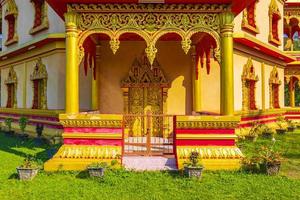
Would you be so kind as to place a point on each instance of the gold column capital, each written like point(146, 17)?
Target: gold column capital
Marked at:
point(71, 20)
point(226, 22)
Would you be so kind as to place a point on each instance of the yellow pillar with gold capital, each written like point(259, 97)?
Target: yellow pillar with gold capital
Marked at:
point(227, 85)
point(292, 92)
point(196, 81)
point(72, 67)
point(96, 82)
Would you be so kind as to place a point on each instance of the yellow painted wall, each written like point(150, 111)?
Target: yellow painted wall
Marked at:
point(262, 21)
point(240, 59)
point(211, 87)
point(55, 64)
point(173, 61)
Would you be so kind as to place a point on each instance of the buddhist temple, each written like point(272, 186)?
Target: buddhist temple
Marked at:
point(149, 79)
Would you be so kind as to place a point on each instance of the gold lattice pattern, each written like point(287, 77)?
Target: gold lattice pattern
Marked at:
point(152, 22)
point(89, 152)
point(210, 152)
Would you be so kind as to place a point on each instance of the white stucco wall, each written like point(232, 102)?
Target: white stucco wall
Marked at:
point(25, 22)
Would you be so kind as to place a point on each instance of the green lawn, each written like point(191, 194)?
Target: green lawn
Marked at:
point(148, 185)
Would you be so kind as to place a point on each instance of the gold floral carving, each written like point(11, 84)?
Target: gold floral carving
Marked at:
point(12, 9)
point(91, 123)
point(273, 10)
point(88, 152)
point(274, 79)
point(247, 75)
point(40, 73)
point(151, 22)
point(206, 124)
point(44, 18)
point(245, 23)
point(210, 152)
point(12, 80)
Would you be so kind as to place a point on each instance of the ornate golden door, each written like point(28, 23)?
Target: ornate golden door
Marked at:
point(146, 128)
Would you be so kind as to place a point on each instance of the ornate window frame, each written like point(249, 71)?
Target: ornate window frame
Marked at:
point(11, 80)
point(248, 21)
point(248, 77)
point(274, 81)
point(41, 21)
point(11, 16)
point(274, 17)
point(39, 74)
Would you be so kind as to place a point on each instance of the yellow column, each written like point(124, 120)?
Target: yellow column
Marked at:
point(196, 82)
point(263, 87)
point(96, 83)
point(227, 87)
point(72, 68)
point(292, 92)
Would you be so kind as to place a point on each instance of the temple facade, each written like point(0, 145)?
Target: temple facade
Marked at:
point(146, 78)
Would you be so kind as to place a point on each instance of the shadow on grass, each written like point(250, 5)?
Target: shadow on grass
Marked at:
point(14, 176)
point(8, 143)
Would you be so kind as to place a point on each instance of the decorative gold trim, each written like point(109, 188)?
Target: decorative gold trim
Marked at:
point(210, 152)
point(45, 22)
point(40, 73)
point(91, 120)
point(273, 10)
point(93, 135)
point(245, 24)
point(205, 136)
point(274, 79)
point(12, 9)
point(12, 79)
point(247, 75)
point(88, 152)
point(205, 122)
point(152, 22)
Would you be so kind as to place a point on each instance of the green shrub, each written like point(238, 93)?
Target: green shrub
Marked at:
point(23, 123)
point(8, 122)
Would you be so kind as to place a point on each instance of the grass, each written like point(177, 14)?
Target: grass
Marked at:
point(147, 185)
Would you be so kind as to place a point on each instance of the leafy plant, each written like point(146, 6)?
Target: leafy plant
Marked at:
point(8, 122)
point(29, 163)
point(266, 131)
point(281, 122)
point(291, 123)
point(98, 165)
point(194, 160)
point(23, 123)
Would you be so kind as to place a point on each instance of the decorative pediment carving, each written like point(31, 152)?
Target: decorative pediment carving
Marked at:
point(249, 71)
point(142, 74)
point(12, 76)
point(40, 71)
point(274, 78)
point(11, 8)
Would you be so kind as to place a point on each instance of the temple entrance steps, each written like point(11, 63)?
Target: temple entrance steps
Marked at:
point(149, 163)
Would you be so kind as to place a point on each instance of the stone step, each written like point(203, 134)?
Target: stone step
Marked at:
point(153, 163)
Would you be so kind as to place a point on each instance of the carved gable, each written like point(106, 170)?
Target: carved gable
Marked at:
point(142, 74)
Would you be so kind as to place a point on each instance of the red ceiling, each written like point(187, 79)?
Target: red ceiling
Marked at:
point(237, 5)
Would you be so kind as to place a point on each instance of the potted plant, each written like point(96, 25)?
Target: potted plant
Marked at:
point(28, 170)
point(23, 123)
point(291, 125)
point(8, 122)
point(270, 160)
point(251, 164)
point(267, 132)
point(281, 123)
point(193, 168)
point(254, 131)
point(97, 169)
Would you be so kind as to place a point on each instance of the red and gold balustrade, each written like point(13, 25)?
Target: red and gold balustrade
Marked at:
point(213, 137)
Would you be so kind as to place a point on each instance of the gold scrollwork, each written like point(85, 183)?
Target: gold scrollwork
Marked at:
point(151, 23)
point(91, 123)
point(274, 80)
point(40, 73)
point(207, 124)
point(12, 80)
